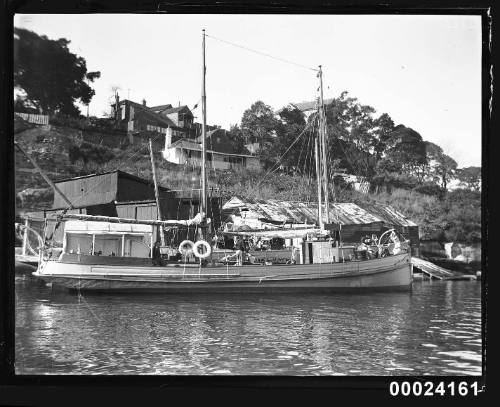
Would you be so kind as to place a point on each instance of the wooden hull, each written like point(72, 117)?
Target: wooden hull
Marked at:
point(389, 273)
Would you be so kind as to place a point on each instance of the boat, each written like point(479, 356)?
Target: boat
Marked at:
point(26, 257)
point(125, 255)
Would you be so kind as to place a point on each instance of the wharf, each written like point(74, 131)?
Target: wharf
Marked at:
point(440, 273)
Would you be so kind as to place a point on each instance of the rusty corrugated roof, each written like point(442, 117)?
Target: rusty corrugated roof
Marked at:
point(346, 213)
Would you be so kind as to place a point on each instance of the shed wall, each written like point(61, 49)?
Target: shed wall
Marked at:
point(88, 191)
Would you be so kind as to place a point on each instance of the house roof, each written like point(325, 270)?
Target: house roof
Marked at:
point(175, 109)
point(120, 173)
point(161, 107)
point(345, 213)
point(188, 144)
point(306, 106)
point(218, 140)
point(149, 112)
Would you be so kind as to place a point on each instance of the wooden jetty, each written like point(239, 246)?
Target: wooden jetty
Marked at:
point(436, 272)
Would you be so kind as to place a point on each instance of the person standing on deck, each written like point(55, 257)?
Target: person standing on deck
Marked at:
point(240, 248)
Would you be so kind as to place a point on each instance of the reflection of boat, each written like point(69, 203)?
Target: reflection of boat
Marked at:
point(104, 253)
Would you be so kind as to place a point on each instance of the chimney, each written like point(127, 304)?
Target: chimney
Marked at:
point(144, 102)
point(168, 142)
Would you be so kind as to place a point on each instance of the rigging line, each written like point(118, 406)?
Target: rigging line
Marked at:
point(288, 149)
point(304, 171)
point(310, 166)
point(262, 53)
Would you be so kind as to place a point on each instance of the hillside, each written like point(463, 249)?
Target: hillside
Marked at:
point(64, 152)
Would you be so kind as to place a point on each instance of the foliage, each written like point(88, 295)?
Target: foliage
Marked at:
point(258, 123)
point(47, 89)
point(470, 178)
point(441, 166)
point(86, 153)
point(409, 151)
point(237, 140)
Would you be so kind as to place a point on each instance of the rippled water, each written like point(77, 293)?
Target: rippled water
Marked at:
point(435, 329)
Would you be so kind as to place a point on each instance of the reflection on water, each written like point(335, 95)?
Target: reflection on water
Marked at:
point(435, 329)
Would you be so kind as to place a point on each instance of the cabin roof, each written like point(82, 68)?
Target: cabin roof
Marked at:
point(86, 226)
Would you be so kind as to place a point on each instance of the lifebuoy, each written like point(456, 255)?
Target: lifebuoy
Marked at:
point(207, 249)
point(186, 247)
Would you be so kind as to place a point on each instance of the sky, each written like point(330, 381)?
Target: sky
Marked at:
point(424, 71)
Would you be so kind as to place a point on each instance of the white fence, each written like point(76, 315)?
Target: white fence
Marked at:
point(34, 118)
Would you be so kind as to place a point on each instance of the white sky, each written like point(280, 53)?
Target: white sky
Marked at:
point(424, 71)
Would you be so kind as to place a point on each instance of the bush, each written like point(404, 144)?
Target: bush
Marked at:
point(429, 188)
point(86, 124)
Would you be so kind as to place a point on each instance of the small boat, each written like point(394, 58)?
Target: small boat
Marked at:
point(26, 257)
point(117, 254)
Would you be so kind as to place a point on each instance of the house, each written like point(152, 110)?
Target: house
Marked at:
point(138, 118)
point(220, 153)
point(353, 220)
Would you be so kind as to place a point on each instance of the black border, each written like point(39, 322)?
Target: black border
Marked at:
point(54, 390)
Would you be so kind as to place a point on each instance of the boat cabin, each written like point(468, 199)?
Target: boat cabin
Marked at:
point(84, 240)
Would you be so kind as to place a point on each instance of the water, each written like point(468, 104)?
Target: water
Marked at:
point(434, 330)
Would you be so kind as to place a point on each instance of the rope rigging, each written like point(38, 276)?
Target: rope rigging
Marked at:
point(272, 169)
point(262, 53)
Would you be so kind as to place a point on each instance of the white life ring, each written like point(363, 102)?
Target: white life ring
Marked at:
point(207, 249)
point(186, 247)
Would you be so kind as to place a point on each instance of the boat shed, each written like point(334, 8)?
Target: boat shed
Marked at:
point(107, 189)
point(120, 194)
point(353, 220)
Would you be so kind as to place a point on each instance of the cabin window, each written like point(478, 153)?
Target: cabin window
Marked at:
point(137, 246)
point(108, 245)
point(78, 243)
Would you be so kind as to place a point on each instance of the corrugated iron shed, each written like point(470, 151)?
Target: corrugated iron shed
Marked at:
point(105, 188)
point(345, 213)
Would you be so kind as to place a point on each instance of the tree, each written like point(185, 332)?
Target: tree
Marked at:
point(292, 124)
point(237, 140)
point(384, 136)
point(442, 167)
point(259, 123)
point(51, 78)
point(470, 178)
point(409, 151)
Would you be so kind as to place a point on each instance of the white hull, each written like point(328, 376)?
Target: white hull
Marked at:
point(394, 272)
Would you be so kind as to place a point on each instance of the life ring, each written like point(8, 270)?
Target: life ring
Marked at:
point(186, 247)
point(207, 249)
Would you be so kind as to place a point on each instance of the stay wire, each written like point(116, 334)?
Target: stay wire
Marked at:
point(281, 157)
point(263, 53)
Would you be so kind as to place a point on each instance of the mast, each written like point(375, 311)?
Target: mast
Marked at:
point(318, 178)
point(47, 179)
point(323, 145)
point(203, 136)
point(157, 195)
